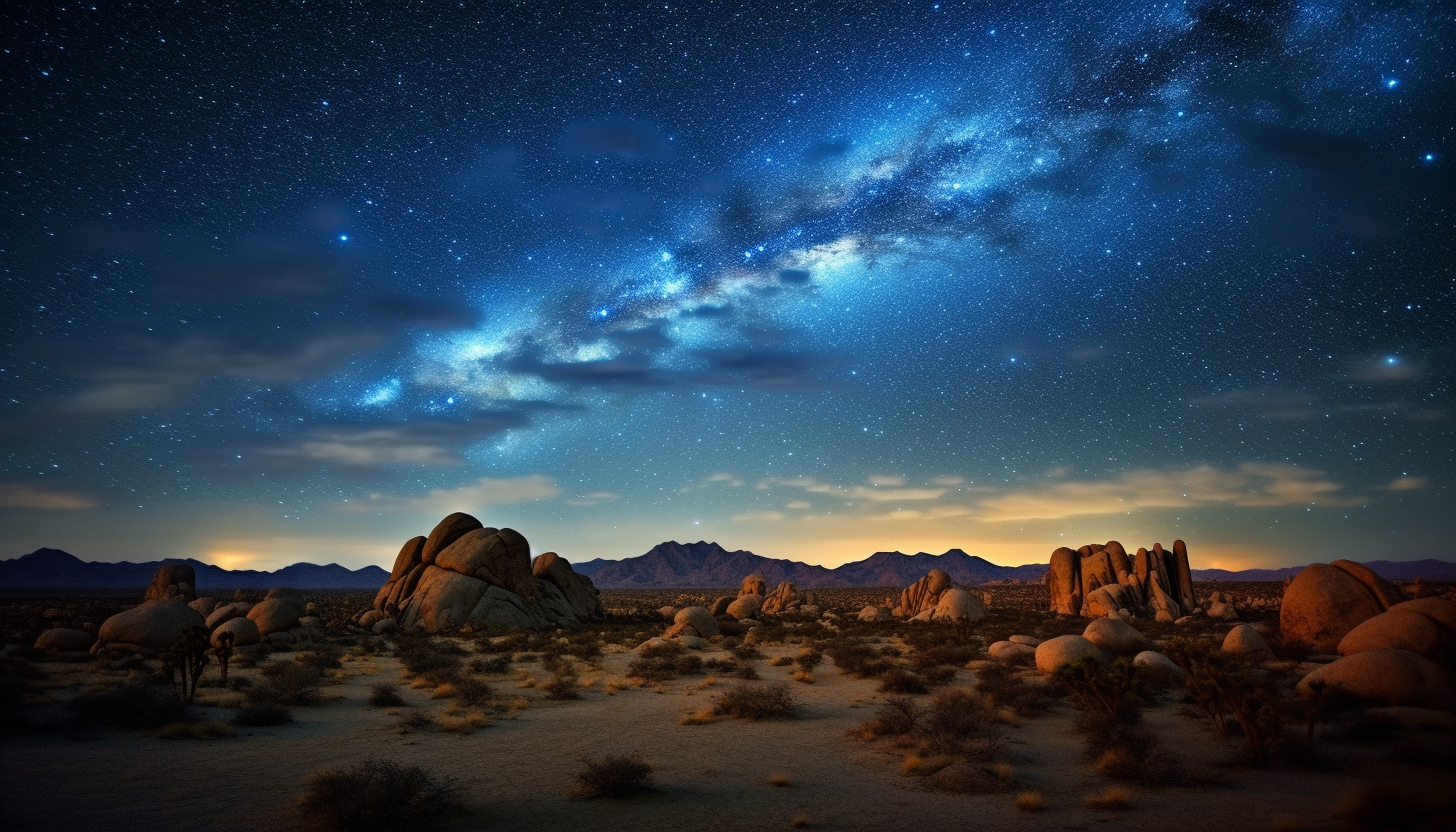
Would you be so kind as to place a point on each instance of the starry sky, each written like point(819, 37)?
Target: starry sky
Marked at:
point(290, 281)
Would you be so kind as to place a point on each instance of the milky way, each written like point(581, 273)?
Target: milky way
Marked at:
point(814, 281)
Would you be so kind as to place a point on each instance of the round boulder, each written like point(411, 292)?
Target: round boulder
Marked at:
point(699, 618)
point(957, 604)
point(277, 612)
point(1029, 641)
point(873, 613)
point(1391, 677)
point(1116, 636)
point(1157, 664)
point(1011, 652)
point(65, 640)
point(744, 606)
point(1064, 650)
point(244, 632)
point(1400, 628)
point(227, 612)
point(1322, 604)
point(154, 625)
point(447, 531)
point(1246, 640)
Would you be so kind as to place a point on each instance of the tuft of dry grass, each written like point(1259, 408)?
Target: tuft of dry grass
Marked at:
point(1030, 802)
point(918, 766)
point(703, 717)
point(755, 702)
point(802, 676)
point(799, 821)
point(781, 661)
point(1116, 799)
point(463, 724)
point(779, 780)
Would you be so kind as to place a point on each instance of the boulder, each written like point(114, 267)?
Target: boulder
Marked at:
point(874, 613)
point(755, 584)
point(1029, 641)
point(1063, 584)
point(1064, 650)
point(650, 644)
point(667, 612)
point(244, 632)
point(65, 640)
point(281, 637)
point(279, 611)
point(1010, 651)
point(173, 580)
point(1390, 677)
point(580, 593)
point(745, 606)
point(1387, 593)
point(1181, 581)
point(446, 532)
point(204, 606)
point(692, 642)
point(1116, 636)
point(720, 605)
point(1221, 607)
point(500, 557)
point(957, 604)
point(371, 617)
point(1107, 599)
point(1401, 628)
point(227, 612)
point(151, 627)
point(699, 619)
point(785, 598)
point(1440, 610)
point(1246, 640)
point(411, 554)
point(443, 601)
point(1157, 664)
point(1322, 604)
point(385, 626)
point(922, 595)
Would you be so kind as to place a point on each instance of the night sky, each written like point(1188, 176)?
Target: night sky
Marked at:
point(288, 281)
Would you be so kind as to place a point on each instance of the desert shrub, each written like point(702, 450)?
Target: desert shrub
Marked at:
point(755, 702)
point(973, 778)
point(1006, 688)
point(808, 659)
point(185, 660)
point(262, 715)
point(194, 730)
point(130, 706)
point(900, 680)
point(745, 670)
point(584, 646)
point(860, 660)
point(564, 684)
point(1030, 802)
point(493, 665)
point(472, 692)
point(664, 649)
point(746, 652)
point(436, 663)
point(900, 715)
point(323, 656)
point(943, 655)
point(779, 780)
point(386, 695)
point(287, 683)
point(378, 796)
point(613, 775)
point(661, 665)
point(1223, 688)
point(938, 675)
point(1103, 691)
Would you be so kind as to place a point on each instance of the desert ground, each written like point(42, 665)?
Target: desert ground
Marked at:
point(496, 713)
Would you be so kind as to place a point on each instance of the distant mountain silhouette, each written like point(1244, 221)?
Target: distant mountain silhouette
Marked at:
point(672, 565)
point(53, 568)
point(704, 564)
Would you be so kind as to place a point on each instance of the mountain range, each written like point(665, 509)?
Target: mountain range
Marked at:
point(53, 568)
point(667, 565)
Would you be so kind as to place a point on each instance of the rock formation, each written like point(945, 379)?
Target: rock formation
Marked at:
point(1325, 602)
point(65, 640)
point(785, 598)
point(1426, 626)
point(1390, 677)
point(173, 580)
point(1064, 650)
point(149, 628)
point(465, 573)
point(1099, 580)
point(923, 595)
point(755, 584)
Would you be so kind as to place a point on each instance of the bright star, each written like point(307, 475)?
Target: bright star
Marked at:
point(1392, 83)
point(343, 238)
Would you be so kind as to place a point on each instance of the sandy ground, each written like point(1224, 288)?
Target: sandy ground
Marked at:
point(518, 770)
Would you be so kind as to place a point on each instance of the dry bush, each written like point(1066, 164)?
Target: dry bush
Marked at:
point(918, 766)
point(463, 723)
point(130, 706)
point(435, 662)
point(900, 715)
point(1005, 686)
point(1231, 694)
point(562, 686)
point(799, 821)
point(613, 775)
point(1115, 798)
point(902, 681)
point(802, 676)
point(492, 666)
point(746, 652)
point(1030, 802)
point(781, 661)
point(194, 730)
point(779, 780)
point(809, 658)
point(472, 693)
point(944, 655)
point(287, 683)
point(858, 659)
point(386, 695)
point(973, 778)
point(262, 715)
point(378, 796)
point(755, 702)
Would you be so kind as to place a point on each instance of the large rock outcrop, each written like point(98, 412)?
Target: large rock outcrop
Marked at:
point(1098, 580)
point(149, 628)
point(1388, 677)
point(923, 595)
point(1426, 626)
point(466, 573)
point(785, 598)
point(279, 610)
point(1324, 602)
point(173, 580)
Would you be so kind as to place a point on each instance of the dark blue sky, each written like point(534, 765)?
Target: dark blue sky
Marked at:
point(289, 282)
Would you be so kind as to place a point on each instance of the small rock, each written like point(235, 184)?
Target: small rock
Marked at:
point(1116, 636)
point(244, 631)
point(1158, 664)
point(700, 619)
point(65, 640)
point(1064, 650)
point(692, 642)
point(1010, 651)
point(1246, 640)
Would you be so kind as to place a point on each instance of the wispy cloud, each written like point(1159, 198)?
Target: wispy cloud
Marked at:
point(1252, 484)
point(486, 491)
point(758, 516)
point(1405, 483)
point(21, 495)
point(881, 488)
point(594, 498)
